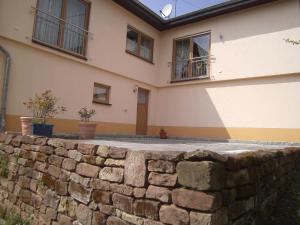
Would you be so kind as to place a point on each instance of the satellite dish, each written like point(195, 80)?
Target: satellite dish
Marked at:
point(166, 11)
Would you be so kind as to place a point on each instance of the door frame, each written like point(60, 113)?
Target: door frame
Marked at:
point(147, 109)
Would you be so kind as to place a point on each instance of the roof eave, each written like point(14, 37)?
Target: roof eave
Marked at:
point(140, 10)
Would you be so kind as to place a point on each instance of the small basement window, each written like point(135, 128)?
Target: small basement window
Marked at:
point(139, 44)
point(101, 93)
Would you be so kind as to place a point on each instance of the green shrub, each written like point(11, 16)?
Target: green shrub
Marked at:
point(12, 218)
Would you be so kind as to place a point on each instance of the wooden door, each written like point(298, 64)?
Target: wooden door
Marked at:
point(142, 112)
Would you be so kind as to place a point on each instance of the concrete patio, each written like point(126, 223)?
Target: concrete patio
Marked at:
point(156, 144)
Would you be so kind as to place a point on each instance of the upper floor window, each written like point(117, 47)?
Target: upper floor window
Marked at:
point(191, 58)
point(139, 44)
point(62, 24)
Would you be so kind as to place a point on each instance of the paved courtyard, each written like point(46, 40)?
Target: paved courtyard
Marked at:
point(222, 147)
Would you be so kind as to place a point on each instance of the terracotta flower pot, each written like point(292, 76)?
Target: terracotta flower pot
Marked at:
point(87, 130)
point(26, 124)
point(163, 135)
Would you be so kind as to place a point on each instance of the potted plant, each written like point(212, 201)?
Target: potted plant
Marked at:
point(163, 134)
point(26, 125)
point(87, 129)
point(43, 107)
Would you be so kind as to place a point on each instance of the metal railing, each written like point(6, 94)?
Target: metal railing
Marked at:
point(189, 69)
point(58, 33)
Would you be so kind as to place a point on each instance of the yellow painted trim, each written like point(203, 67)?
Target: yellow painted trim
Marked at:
point(260, 134)
point(71, 126)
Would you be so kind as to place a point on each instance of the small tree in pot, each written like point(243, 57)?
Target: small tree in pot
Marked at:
point(43, 107)
point(87, 129)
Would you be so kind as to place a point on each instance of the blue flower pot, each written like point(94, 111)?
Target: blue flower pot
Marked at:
point(42, 130)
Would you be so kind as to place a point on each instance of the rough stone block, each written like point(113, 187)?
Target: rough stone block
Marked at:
point(112, 220)
point(61, 152)
point(70, 145)
point(135, 169)
point(79, 179)
point(164, 155)
point(39, 166)
point(139, 192)
point(48, 150)
point(84, 214)
point(61, 188)
point(204, 175)
point(173, 215)
point(238, 208)
point(56, 142)
point(205, 202)
point(69, 164)
point(103, 151)
point(79, 192)
point(114, 162)
point(204, 155)
point(74, 154)
point(98, 218)
point(55, 160)
point(161, 166)
point(48, 180)
point(218, 218)
point(100, 184)
point(107, 209)
point(117, 153)
point(112, 174)
point(130, 218)
point(160, 193)
point(87, 170)
point(122, 202)
point(103, 197)
point(146, 208)
point(54, 171)
point(51, 199)
point(159, 179)
point(51, 213)
point(64, 220)
point(152, 222)
point(238, 178)
point(87, 149)
point(121, 189)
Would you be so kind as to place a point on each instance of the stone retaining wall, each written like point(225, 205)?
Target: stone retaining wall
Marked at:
point(62, 182)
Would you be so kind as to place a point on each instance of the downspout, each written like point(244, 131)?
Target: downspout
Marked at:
point(4, 90)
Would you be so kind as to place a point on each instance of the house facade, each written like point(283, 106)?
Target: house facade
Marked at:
point(225, 72)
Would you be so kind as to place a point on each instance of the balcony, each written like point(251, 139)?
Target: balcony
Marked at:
point(57, 33)
point(191, 69)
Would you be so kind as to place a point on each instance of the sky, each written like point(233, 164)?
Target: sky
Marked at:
point(183, 6)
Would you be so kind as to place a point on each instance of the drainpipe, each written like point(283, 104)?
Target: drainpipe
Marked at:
point(4, 91)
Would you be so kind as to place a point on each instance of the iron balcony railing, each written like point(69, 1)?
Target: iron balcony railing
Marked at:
point(189, 69)
point(58, 33)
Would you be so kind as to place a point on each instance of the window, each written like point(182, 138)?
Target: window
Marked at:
point(139, 44)
point(191, 58)
point(62, 24)
point(101, 93)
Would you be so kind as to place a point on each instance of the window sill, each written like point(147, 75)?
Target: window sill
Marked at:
point(101, 103)
point(58, 49)
point(146, 60)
